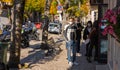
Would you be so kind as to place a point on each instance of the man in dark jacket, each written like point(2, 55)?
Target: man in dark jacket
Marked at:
point(78, 33)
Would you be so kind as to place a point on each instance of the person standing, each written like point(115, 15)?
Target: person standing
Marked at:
point(86, 33)
point(93, 42)
point(78, 33)
point(71, 42)
point(64, 33)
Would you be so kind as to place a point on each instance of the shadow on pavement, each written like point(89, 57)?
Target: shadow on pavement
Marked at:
point(38, 55)
point(83, 64)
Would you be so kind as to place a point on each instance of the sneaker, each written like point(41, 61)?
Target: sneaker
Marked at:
point(78, 54)
point(70, 64)
point(75, 63)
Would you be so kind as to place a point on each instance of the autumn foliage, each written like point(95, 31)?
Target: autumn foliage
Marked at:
point(53, 7)
point(35, 5)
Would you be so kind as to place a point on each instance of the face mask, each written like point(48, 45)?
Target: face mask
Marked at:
point(103, 27)
point(70, 22)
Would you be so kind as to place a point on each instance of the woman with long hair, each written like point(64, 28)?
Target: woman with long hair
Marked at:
point(86, 33)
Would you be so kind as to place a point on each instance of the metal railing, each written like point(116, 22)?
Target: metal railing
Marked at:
point(113, 53)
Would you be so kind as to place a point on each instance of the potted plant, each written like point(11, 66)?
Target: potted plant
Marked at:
point(112, 23)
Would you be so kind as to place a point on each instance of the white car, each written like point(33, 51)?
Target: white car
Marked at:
point(55, 27)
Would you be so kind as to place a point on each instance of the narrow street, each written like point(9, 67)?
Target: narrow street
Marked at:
point(38, 61)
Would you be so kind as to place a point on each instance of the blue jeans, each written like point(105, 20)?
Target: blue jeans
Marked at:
point(71, 51)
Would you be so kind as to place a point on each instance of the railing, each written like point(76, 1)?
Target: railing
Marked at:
point(113, 53)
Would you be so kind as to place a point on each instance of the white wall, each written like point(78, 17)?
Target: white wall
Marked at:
point(92, 16)
point(92, 13)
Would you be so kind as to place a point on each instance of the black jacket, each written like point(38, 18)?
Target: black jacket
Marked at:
point(85, 33)
point(79, 29)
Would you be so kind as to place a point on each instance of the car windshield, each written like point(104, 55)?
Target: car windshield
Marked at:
point(53, 25)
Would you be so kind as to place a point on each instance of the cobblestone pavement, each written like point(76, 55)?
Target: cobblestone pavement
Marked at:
point(38, 61)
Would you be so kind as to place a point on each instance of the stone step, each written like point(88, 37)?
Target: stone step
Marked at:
point(102, 67)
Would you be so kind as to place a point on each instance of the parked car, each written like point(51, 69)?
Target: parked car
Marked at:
point(55, 27)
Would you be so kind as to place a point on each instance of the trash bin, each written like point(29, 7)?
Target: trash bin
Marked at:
point(3, 52)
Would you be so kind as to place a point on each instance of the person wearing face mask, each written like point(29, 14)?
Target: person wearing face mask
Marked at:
point(103, 24)
point(86, 33)
point(103, 27)
point(71, 42)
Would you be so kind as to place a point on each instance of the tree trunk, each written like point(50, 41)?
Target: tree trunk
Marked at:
point(53, 18)
point(34, 16)
point(14, 59)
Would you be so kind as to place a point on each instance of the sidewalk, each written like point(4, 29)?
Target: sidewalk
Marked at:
point(102, 67)
point(83, 63)
point(38, 61)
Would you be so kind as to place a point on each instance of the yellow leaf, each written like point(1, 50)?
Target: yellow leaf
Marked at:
point(9, 1)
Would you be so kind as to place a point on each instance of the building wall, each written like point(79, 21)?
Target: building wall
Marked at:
point(112, 4)
point(94, 13)
point(94, 8)
point(105, 1)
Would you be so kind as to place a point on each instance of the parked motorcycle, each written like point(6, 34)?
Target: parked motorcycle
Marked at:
point(5, 36)
point(25, 37)
point(34, 34)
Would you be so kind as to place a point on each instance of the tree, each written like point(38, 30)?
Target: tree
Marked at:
point(84, 10)
point(6, 0)
point(34, 8)
point(62, 2)
point(53, 8)
point(76, 8)
point(35, 5)
point(14, 59)
point(84, 1)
